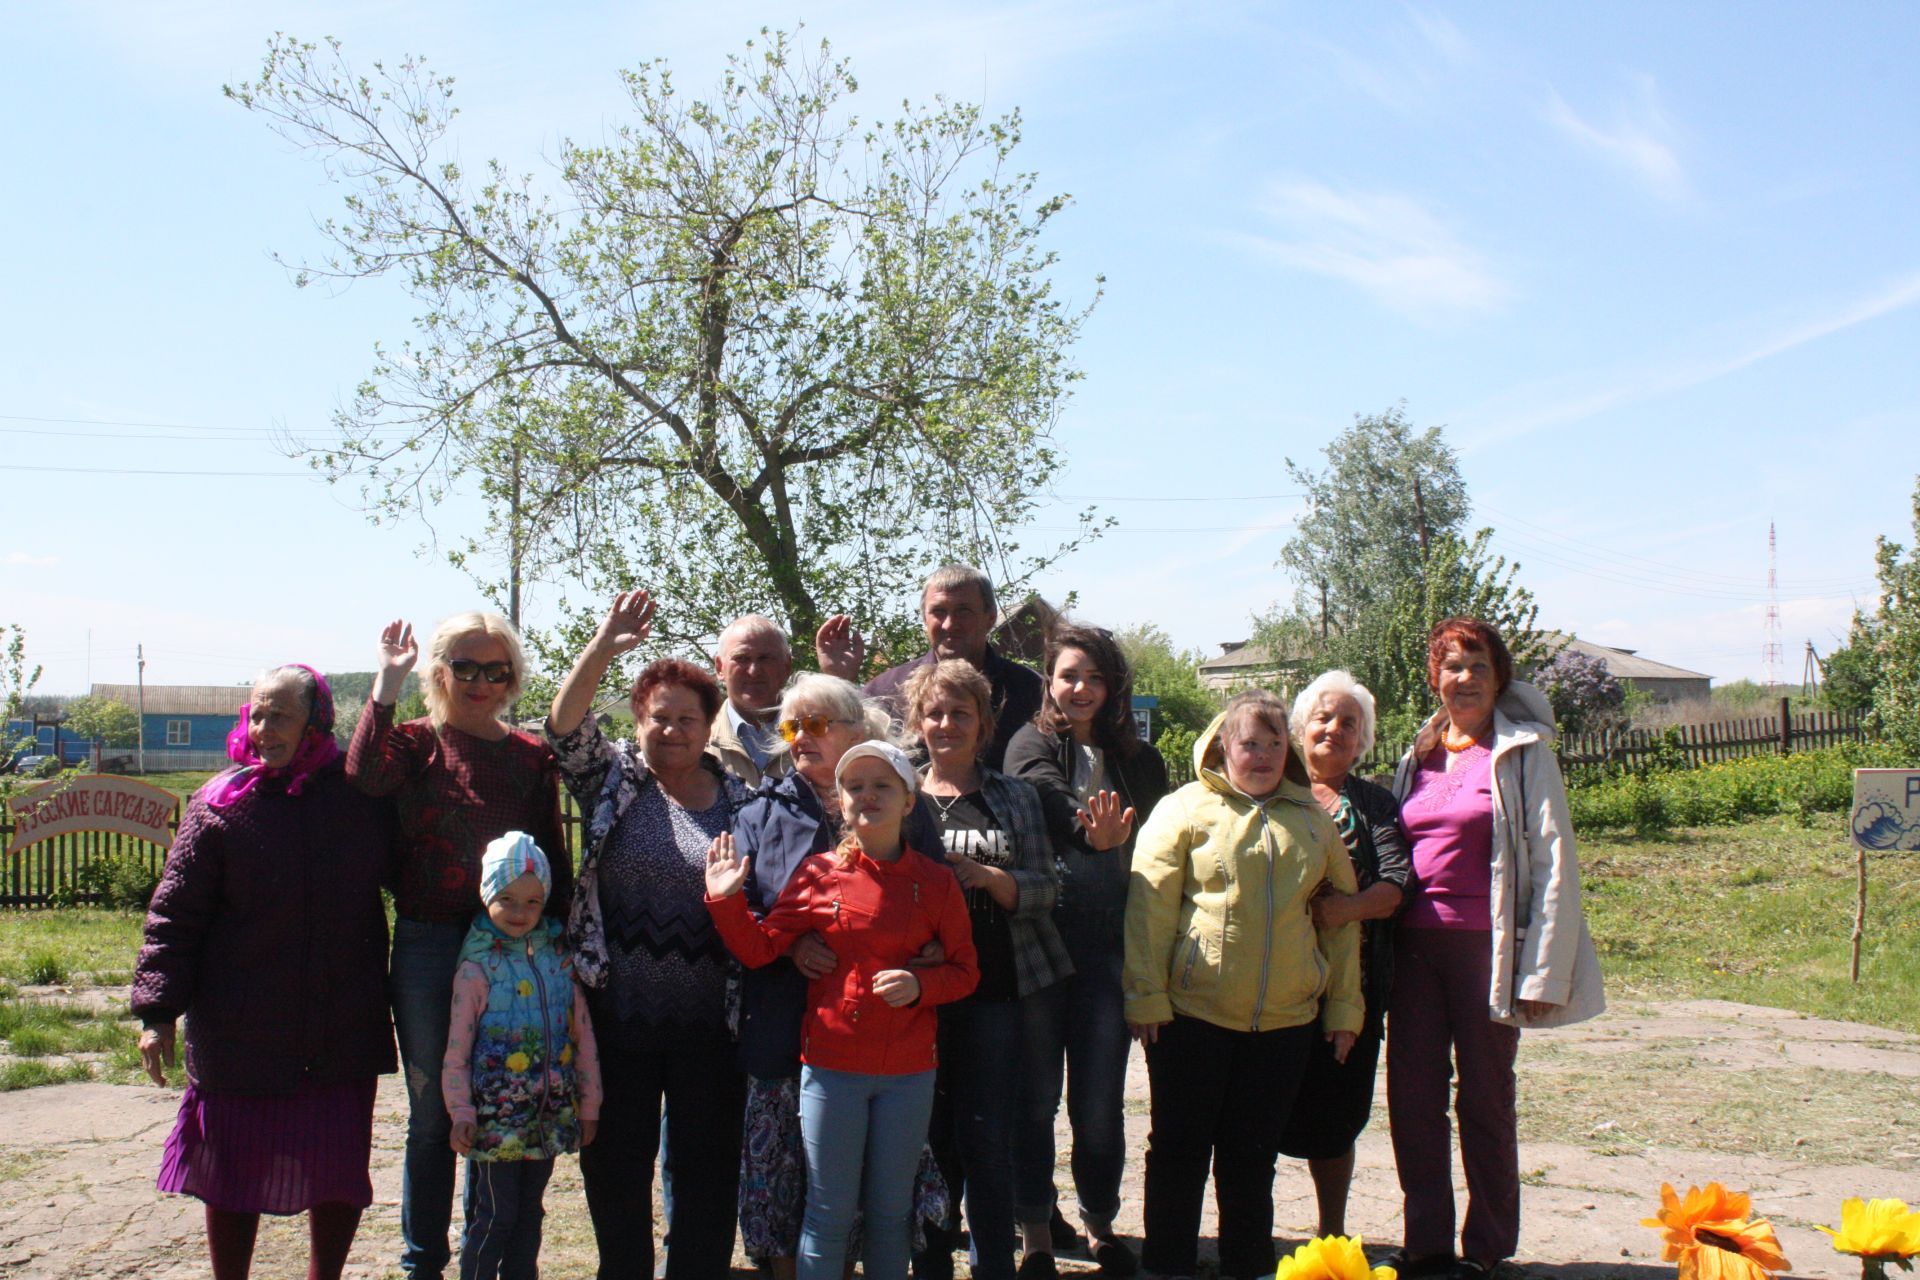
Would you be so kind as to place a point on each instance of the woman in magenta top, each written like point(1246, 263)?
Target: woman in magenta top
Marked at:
point(1493, 941)
point(459, 777)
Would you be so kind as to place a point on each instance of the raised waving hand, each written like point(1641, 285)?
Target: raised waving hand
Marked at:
point(726, 867)
point(1107, 821)
point(840, 648)
point(627, 623)
point(398, 653)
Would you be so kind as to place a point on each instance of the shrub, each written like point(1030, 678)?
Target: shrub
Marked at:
point(1716, 795)
point(1584, 694)
point(116, 880)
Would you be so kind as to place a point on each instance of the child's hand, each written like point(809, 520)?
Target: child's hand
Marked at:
point(587, 1129)
point(898, 987)
point(813, 957)
point(726, 869)
point(461, 1139)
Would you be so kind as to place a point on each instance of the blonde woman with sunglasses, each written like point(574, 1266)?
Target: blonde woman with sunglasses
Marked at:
point(459, 777)
point(789, 820)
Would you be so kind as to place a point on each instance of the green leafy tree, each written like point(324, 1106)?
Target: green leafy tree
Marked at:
point(1388, 494)
point(1171, 675)
point(107, 721)
point(1385, 644)
point(16, 686)
point(1381, 555)
point(1849, 674)
point(747, 351)
point(1896, 640)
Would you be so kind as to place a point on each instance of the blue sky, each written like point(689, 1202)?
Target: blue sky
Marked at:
point(1656, 269)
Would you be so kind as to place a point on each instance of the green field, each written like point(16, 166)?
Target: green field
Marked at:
point(1758, 913)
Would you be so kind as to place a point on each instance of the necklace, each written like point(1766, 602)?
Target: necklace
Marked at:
point(1456, 745)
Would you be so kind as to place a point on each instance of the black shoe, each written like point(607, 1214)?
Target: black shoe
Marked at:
point(1065, 1238)
point(1037, 1266)
point(1430, 1264)
point(1112, 1257)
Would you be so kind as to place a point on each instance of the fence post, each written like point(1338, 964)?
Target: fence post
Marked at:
point(1786, 726)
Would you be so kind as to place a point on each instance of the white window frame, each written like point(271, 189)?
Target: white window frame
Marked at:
point(179, 733)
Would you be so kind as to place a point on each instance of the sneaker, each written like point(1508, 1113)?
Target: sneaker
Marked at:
point(1065, 1238)
point(1037, 1266)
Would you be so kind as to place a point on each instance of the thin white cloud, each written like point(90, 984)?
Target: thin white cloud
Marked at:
point(1383, 243)
point(1444, 38)
point(1407, 68)
point(27, 559)
point(1640, 140)
point(1659, 382)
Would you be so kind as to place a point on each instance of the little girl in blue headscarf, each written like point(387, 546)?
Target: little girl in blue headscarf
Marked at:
point(521, 1077)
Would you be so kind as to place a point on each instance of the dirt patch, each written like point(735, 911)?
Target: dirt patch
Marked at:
point(1799, 1111)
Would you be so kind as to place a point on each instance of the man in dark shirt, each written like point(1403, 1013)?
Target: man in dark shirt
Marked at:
point(958, 608)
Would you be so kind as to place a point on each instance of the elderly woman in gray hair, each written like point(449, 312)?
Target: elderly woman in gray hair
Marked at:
point(1332, 724)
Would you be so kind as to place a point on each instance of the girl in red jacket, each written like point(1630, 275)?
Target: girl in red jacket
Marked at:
point(866, 1088)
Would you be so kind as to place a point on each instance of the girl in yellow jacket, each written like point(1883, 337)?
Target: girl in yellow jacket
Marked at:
point(1228, 980)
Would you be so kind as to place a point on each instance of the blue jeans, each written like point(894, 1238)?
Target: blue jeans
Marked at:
point(504, 1210)
point(425, 954)
point(863, 1134)
point(974, 1114)
point(1075, 1030)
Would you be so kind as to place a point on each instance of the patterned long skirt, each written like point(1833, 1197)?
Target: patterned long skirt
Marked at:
point(773, 1177)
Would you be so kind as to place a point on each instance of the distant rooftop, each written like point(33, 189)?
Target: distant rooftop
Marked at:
point(179, 699)
point(1622, 664)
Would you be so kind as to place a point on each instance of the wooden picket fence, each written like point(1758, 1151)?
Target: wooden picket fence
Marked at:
point(1589, 756)
point(64, 869)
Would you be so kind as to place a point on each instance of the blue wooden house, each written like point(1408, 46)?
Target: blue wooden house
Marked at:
point(20, 738)
point(185, 726)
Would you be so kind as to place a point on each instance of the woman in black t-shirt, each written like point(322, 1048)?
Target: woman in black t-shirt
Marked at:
point(995, 839)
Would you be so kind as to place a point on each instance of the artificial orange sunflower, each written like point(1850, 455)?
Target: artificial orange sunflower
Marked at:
point(1709, 1233)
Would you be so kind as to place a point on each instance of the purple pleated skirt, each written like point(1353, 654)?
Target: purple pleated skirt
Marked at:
point(275, 1153)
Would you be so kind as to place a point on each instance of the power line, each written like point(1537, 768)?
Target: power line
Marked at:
point(121, 422)
point(143, 471)
point(1633, 562)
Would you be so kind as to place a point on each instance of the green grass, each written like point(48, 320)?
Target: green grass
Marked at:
point(181, 784)
point(93, 946)
point(30, 1074)
point(1760, 913)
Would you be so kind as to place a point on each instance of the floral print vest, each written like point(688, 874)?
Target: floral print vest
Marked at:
point(525, 1092)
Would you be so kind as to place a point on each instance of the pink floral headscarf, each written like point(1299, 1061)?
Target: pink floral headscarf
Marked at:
point(316, 751)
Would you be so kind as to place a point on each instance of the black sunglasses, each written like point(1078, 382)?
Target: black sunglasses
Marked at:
point(466, 671)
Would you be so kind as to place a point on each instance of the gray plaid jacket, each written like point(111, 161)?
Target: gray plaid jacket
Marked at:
point(1039, 956)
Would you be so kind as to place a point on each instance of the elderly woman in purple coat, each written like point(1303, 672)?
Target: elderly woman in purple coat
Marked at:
point(268, 935)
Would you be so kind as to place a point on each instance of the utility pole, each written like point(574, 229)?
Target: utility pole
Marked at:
point(513, 543)
point(1420, 513)
point(1810, 673)
point(140, 738)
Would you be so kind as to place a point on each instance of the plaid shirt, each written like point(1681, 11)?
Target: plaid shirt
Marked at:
point(1039, 956)
point(454, 793)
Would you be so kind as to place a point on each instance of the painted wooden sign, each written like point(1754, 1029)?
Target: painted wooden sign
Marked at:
point(1886, 809)
point(92, 802)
